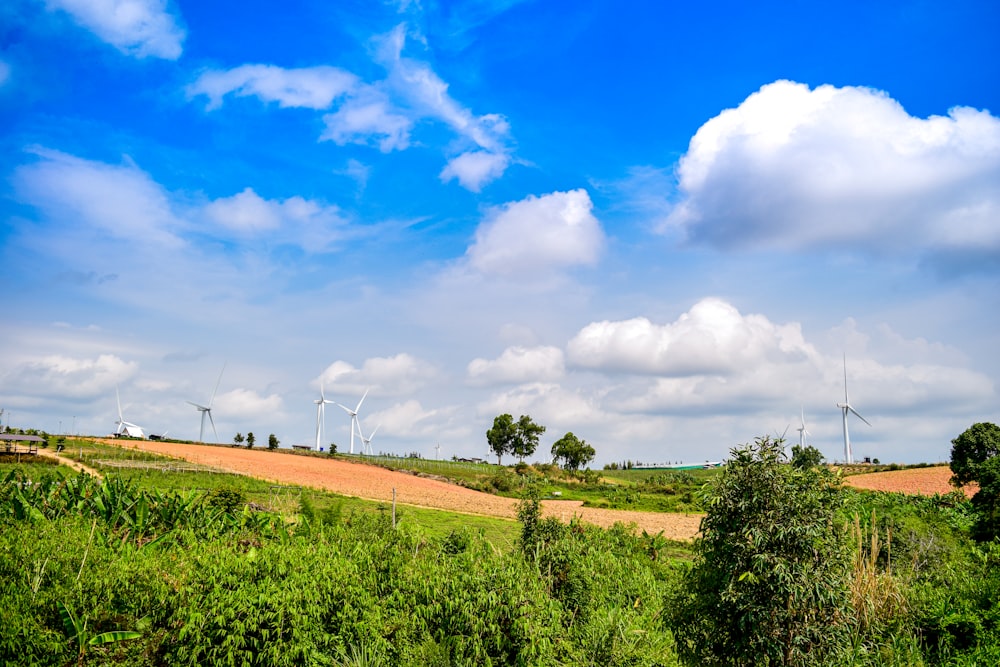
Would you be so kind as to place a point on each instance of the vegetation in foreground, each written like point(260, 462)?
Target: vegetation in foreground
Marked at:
point(794, 569)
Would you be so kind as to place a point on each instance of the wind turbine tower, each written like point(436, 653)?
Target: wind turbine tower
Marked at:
point(367, 442)
point(207, 410)
point(355, 424)
point(845, 408)
point(802, 428)
point(320, 415)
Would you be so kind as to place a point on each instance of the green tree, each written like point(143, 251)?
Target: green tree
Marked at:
point(806, 457)
point(573, 452)
point(250, 440)
point(975, 457)
point(519, 438)
point(272, 442)
point(526, 441)
point(238, 439)
point(769, 581)
point(971, 449)
point(501, 436)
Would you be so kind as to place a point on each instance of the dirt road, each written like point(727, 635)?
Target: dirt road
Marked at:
point(373, 483)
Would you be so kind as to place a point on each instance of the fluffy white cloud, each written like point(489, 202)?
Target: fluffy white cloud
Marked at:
point(247, 404)
point(517, 365)
point(711, 338)
point(398, 375)
point(366, 117)
point(793, 167)
point(310, 225)
point(309, 87)
point(70, 376)
point(136, 27)
point(538, 234)
point(475, 169)
point(121, 200)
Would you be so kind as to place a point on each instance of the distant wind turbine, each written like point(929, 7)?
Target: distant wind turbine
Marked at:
point(367, 442)
point(207, 410)
point(355, 424)
point(803, 432)
point(320, 415)
point(845, 408)
point(128, 428)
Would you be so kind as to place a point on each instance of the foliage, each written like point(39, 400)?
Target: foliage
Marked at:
point(519, 438)
point(573, 452)
point(238, 439)
point(272, 442)
point(250, 440)
point(971, 449)
point(768, 586)
point(806, 457)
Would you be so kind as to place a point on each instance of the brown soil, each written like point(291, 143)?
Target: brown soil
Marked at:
point(920, 481)
point(374, 483)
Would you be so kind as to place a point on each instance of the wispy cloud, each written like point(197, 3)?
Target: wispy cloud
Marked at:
point(841, 167)
point(138, 28)
point(308, 87)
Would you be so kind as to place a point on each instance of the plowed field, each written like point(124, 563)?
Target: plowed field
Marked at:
point(373, 483)
point(922, 481)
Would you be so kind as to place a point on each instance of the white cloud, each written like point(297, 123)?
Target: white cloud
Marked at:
point(538, 235)
point(552, 405)
point(122, 200)
point(370, 115)
point(309, 87)
point(518, 365)
point(397, 375)
point(711, 338)
point(70, 377)
point(475, 169)
point(247, 404)
point(135, 27)
point(793, 167)
point(312, 226)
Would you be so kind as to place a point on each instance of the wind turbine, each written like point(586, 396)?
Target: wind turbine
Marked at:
point(802, 429)
point(355, 424)
point(128, 428)
point(367, 442)
point(320, 414)
point(845, 408)
point(207, 410)
point(437, 450)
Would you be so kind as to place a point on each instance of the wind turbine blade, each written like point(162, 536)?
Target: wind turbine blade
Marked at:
point(209, 413)
point(200, 407)
point(373, 432)
point(846, 400)
point(212, 400)
point(362, 400)
point(346, 409)
point(858, 415)
point(118, 399)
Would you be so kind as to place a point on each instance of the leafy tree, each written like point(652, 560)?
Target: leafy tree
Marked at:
point(238, 439)
point(806, 457)
point(333, 448)
point(526, 441)
point(971, 449)
point(573, 452)
point(272, 442)
point(975, 457)
point(501, 436)
point(509, 437)
point(250, 440)
point(769, 581)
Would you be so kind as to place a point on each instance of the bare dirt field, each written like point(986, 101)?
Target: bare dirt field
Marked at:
point(373, 483)
point(922, 481)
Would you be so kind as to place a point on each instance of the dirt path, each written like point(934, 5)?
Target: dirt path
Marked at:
point(75, 465)
point(922, 481)
point(374, 483)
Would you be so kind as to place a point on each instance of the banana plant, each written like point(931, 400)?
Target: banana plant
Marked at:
point(79, 634)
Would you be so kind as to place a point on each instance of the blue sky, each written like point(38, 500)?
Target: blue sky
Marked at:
point(661, 226)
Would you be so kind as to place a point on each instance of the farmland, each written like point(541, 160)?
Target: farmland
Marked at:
point(206, 563)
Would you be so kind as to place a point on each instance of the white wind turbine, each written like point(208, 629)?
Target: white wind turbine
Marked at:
point(207, 410)
point(367, 442)
point(128, 428)
point(845, 408)
point(320, 415)
point(803, 432)
point(355, 424)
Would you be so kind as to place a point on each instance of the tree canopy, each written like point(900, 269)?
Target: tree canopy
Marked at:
point(975, 457)
point(572, 451)
point(519, 438)
point(806, 456)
